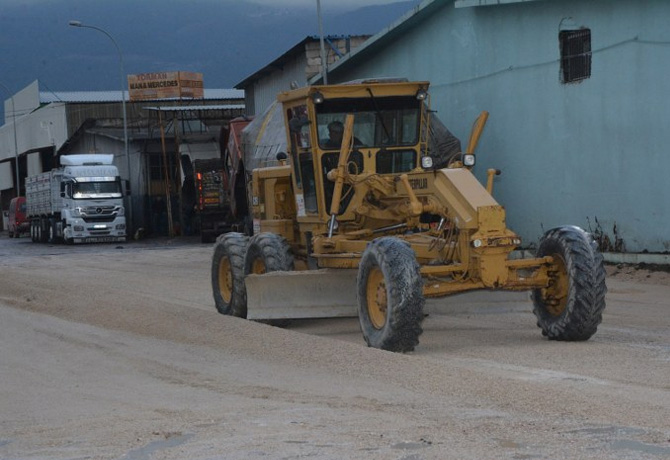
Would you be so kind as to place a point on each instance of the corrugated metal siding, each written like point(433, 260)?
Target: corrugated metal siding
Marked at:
point(594, 153)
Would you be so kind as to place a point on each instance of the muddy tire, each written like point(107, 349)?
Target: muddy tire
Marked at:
point(571, 308)
point(269, 252)
point(230, 294)
point(390, 295)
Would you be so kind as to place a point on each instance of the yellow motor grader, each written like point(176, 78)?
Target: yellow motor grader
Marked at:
point(374, 217)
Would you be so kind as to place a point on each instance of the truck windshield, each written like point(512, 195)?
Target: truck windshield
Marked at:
point(88, 190)
point(378, 122)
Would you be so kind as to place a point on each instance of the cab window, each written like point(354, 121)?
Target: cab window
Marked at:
point(395, 161)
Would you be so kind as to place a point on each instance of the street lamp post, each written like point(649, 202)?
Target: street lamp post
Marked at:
point(16, 144)
point(324, 62)
point(123, 102)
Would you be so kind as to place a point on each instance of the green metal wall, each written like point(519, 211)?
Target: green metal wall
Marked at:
point(593, 154)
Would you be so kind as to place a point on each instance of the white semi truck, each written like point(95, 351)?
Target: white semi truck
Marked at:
point(80, 202)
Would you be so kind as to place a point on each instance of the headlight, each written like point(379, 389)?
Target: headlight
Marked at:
point(468, 159)
point(426, 162)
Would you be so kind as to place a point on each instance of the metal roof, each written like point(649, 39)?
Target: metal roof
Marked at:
point(190, 108)
point(409, 20)
point(47, 97)
point(297, 49)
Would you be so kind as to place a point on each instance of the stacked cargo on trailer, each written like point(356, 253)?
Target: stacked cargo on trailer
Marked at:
point(81, 202)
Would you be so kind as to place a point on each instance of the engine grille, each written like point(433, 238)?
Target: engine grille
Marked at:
point(95, 214)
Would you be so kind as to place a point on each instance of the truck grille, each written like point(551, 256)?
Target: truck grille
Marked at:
point(95, 214)
point(99, 232)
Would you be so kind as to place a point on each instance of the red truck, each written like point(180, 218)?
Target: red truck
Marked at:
point(18, 221)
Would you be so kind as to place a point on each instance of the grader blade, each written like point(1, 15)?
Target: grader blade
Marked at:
point(301, 294)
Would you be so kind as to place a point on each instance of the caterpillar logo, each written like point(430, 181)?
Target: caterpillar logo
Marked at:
point(419, 183)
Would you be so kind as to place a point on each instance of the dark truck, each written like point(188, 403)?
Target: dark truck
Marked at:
point(212, 204)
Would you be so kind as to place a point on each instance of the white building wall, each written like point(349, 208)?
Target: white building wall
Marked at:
point(266, 89)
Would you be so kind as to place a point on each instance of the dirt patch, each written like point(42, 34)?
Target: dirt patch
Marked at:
point(640, 273)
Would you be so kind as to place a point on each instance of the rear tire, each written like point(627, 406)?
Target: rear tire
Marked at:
point(269, 252)
point(571, 307)
point(44, 225)
point(390, 295)
point(230, 294)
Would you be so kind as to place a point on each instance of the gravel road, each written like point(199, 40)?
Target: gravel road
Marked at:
point(117, 352)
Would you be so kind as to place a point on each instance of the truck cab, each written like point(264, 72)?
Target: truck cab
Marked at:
point(80, 202)
point(18, 221)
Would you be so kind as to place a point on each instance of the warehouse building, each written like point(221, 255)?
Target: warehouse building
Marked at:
point(40, 126)
point(576, 95)
point(294, 68)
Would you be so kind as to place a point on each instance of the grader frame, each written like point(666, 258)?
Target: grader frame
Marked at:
point(407, 231)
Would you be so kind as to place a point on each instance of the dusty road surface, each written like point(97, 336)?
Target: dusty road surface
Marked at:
point(118, 353)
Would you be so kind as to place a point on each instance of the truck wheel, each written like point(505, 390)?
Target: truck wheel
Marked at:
point(36, 231)
point(570, 308)
point(230, 295)
point(52, 235)
point(390, 295)
point(43, 231)
point(66, 239)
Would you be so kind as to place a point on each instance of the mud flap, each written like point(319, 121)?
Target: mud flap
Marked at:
point(321, 293)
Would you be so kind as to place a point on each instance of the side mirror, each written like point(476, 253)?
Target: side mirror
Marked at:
point(281, 156)
point(126, 185)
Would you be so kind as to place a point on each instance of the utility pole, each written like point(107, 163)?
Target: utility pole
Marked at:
point(123, 105)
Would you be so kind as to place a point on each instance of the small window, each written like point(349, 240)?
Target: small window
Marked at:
point(395, 161)
point(308, 183)
point(575, 55)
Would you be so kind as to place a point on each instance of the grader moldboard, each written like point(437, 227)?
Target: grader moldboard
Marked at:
point(373, 221)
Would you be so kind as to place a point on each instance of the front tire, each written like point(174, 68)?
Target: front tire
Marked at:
point(230, 294)
point(570, 308)
point(390, 295)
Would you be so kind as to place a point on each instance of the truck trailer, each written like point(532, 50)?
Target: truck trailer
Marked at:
point(80, 202)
